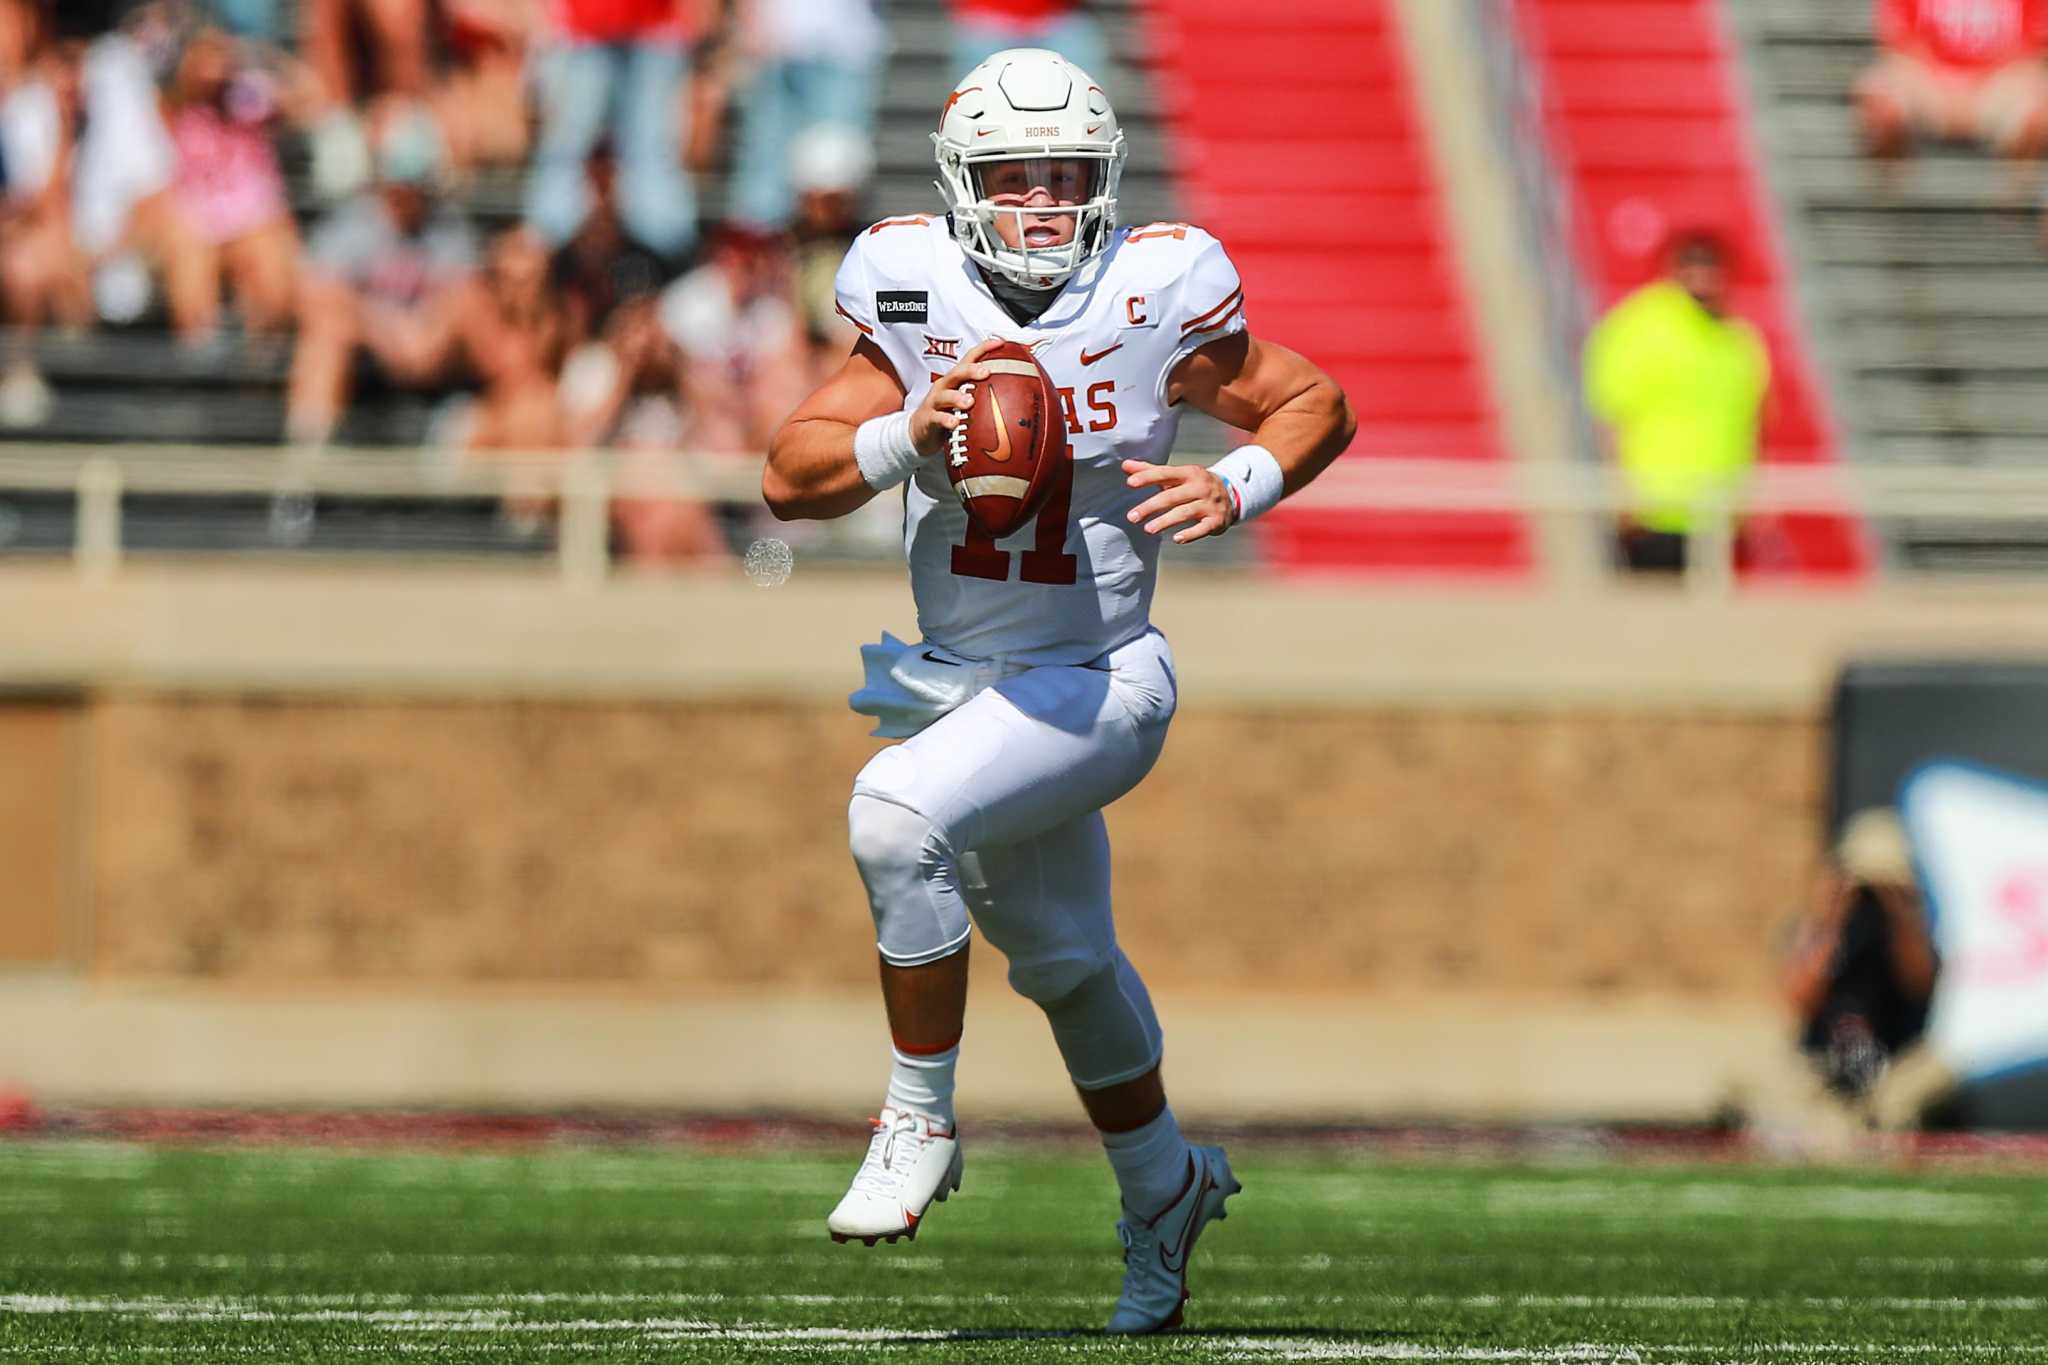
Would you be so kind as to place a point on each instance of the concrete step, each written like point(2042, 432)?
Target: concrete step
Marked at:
point(1808, 20)
point(2011, 344)
point(1961, 547)
point(1947, 182)
point(1962, 404)
point(1820, 73)
point(1956, 449)
point(1925, 237)
point(1938, 293)
point(153, 358)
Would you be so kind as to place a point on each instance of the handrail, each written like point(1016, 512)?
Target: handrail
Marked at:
point(587, 482)
point(1993, 493)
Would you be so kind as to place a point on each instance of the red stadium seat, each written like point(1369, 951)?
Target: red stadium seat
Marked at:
point(1299, 146)
point(1638, 28)
point(1641, 102)
point(1260, 164)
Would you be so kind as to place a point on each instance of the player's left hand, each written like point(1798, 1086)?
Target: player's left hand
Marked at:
point(1189, 496)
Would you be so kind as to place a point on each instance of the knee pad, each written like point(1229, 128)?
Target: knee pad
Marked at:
point(1049, 982)
point(912, 878)
point(1102, 1019)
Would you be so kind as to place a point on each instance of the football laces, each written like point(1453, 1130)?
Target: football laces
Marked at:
point(956, 440)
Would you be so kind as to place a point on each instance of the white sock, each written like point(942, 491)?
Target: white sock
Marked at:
point(1151, 1164)
point(924, 1082)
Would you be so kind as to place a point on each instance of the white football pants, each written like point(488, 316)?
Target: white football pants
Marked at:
point(992, 816)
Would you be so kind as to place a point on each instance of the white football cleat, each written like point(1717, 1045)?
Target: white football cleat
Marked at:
point(1156, 1249)
point(912, 1163)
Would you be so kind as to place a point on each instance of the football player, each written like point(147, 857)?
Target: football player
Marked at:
point(1040, 692)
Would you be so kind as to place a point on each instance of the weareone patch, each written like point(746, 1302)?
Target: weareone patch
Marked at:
point(903, 305)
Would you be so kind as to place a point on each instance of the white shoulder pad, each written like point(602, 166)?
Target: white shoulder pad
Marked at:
point(1211, 297)
point(887, 262)
point(1200, 297)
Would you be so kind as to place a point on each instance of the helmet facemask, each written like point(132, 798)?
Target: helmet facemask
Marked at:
point(1031, 187)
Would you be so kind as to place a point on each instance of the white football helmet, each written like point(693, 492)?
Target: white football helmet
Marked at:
point(1029, 105)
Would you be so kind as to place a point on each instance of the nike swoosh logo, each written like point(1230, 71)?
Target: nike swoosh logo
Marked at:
point(1087, 359)
point(1177, 1263)
point(1001, 454)
point(950, 664)
point(986, 132)
point(1093, 131)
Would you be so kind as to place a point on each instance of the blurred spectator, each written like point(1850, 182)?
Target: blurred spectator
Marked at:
point(622, 390)
point(515, 330)
point(255, 19)
point(622, 387)
point(229, 183)
point(1683, 385)
point(815, 64)
point(982, 27)
point(126, 215)
point(617, 67)
point(43, 276)
point(829, 167)
point(734, 319)
point(1958, 70)
point(601, 269)
point(387, 273)
point(367, 56)
point(621, 384)
point(482, 99)
point(360, 49)
point(1862, 966)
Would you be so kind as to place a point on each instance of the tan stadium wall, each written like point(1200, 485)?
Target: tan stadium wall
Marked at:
point(696, 844)
point(473, 836)
point(41, 839)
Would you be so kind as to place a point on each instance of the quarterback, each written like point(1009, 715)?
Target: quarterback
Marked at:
point(1040, 692)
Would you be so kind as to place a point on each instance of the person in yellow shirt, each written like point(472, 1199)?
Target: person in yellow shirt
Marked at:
point(1682, 384)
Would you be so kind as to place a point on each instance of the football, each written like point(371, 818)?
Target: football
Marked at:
point(1005, 459)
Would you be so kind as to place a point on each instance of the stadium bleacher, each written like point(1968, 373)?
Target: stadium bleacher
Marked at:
point(1931, 288)
point(1647, 119)
point(120, 386)
point(1920, 301)
point(1302, 148)
point(136, 383)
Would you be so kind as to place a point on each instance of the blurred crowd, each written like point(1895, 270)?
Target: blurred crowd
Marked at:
point(1682, 383)
point(297, 174)
point(1958, 71)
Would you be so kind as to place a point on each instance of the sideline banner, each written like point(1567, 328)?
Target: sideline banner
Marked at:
point(1981, 840)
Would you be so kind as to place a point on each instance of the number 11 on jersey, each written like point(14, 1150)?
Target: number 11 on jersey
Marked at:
point(1045, 562)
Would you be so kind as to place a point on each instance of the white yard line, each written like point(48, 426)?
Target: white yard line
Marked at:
point(483, 1311)
point(1595, 1353)
point(839, 1340)
point(1638, 1200)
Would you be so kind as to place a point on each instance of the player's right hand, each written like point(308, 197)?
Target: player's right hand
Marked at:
point(944, 406)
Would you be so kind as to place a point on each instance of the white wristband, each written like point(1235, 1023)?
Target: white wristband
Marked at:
point(1252, 477)
point(882, 449)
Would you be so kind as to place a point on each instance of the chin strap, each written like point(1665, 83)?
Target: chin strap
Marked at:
point(1025, 303)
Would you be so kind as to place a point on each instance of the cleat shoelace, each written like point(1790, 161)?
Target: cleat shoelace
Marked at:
point(891, 1154)
point(1132, 1268)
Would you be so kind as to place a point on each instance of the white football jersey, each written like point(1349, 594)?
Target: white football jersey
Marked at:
point(1078, 582)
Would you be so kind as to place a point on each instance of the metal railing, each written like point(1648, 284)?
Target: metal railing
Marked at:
point(583, 487)
point(1548, 232)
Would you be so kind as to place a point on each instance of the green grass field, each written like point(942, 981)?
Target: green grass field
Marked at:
point(128, 1253)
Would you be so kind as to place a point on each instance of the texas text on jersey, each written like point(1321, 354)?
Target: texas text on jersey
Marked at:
point(1080, 580)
